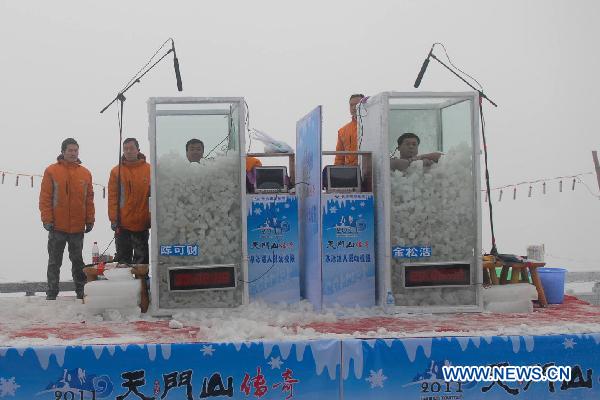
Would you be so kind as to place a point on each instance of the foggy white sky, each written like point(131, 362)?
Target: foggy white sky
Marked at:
point(61, 62)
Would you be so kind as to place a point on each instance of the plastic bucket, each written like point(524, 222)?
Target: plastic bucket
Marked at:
point(553, 282)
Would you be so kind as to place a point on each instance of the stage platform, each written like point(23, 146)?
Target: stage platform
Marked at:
point(55, 350)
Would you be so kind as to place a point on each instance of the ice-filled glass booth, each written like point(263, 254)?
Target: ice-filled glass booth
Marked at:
point(427, 188)
point(198, 193)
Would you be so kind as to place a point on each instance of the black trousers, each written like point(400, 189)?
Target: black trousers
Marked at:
point(132, 247)
point(56, 247)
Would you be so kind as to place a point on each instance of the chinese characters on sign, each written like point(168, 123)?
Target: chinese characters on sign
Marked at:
point(212, 386)
point(183, 250)
point(411, 251)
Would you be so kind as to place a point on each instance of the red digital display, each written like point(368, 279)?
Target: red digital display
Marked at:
point(202, 278)
point(437, 275)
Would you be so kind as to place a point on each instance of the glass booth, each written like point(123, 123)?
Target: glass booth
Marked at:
point(427, 189)
point(198, 194)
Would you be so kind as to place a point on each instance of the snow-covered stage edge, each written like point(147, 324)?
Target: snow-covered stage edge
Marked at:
point(315, 356)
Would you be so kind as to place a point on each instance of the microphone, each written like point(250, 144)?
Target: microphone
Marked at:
point(176, 66)
point(423, 68)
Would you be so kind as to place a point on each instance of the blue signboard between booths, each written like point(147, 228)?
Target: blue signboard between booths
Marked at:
point(308, 189)
point(348, 249)
point(273, 248)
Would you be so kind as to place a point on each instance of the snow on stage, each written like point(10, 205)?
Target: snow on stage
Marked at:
point(57, 350)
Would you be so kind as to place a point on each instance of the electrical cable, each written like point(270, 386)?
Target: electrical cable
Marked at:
point(145, 65)
point(455, 67)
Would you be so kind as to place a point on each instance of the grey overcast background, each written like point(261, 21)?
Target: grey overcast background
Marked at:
point(62, 61)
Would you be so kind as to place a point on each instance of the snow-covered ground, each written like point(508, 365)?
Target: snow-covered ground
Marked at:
point(28, 321)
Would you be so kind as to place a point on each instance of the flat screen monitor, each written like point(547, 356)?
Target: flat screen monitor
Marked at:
point(343, 178)
point(270, 179)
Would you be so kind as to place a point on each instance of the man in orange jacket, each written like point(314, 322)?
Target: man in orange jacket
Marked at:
point(251, 163)
point(348, 135)
point(67, 210)
point(128, 204)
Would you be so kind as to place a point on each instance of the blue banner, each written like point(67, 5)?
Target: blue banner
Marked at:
point(348, 249)
point(409, 368)
point(268, 370)
point(412, 368)
point(273, 248)
point(308, 189)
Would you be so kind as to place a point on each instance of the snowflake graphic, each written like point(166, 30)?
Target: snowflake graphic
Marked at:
point(333, 210)
point(208, 350)
point(287, 205)
point(8, 387)
point(275, 362)
point(569, 343)
point(353, 208)
point(376, 379)
point(257, 211)
point(362, 204)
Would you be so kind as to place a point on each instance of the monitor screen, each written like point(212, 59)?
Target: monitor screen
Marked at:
point(344, 177)
point(269, 178)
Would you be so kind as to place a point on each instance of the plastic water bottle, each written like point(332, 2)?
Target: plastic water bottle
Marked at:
point(95, 253)
point(389, 299)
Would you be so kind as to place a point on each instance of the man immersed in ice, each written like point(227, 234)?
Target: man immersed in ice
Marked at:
point(408, 147)
point(194, 150)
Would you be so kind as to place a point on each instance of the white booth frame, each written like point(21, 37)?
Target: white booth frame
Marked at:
point(154, 249)
point(375, 112)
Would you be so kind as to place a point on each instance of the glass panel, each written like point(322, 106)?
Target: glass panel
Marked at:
point(456, 125)
point(432, 196)
point(193, 106)
point(423, 123)
point(198, 202)
point(428, 102)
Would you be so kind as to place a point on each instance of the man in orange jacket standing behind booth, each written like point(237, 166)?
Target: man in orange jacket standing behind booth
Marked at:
point(128, 205)
point(348, 135)
point(67, 210)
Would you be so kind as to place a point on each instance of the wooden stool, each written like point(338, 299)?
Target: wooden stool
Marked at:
point(140, 271)
point(489, 270)
point(520, 273)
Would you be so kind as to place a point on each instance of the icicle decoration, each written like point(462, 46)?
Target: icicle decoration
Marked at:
point(500, 195)
point(515, 193)
point(530, 189)
point(544, 188)
point(560, 186)
point(573, 187)
point(17, 181)
point(32, 181)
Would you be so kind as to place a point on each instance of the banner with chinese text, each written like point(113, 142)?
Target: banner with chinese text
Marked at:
point(266, 370)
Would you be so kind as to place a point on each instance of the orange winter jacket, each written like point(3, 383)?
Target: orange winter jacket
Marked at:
point(67, 196)
point(135, 191)
point(252, 162)
point(347, 141)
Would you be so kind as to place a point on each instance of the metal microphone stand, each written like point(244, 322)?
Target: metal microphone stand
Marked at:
point(494, 250)
point(120, 97)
